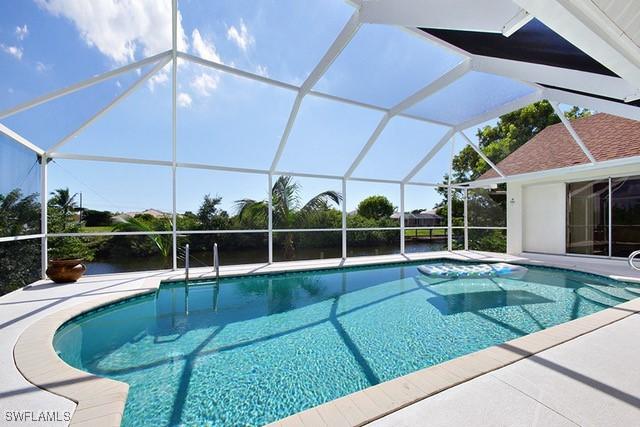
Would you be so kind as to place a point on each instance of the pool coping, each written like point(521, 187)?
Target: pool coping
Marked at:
point(101, 401)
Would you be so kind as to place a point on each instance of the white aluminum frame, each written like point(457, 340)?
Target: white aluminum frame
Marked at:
point(613, 88)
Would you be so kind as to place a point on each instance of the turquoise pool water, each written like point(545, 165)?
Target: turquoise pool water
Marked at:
point(252, 350)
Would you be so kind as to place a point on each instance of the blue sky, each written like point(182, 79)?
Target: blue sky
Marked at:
point(222, 119)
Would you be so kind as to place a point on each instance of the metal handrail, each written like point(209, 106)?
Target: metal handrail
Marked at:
point(186, 261)
point(630, 260)
point(216, 261)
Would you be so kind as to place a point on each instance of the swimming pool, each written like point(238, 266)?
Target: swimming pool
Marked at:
point(255, 349)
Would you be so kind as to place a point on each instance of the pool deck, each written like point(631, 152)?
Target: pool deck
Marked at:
point(582, 372)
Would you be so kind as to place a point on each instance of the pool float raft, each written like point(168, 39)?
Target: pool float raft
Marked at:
point(455, 271)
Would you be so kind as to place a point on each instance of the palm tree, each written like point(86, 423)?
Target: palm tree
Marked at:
point(162, 241)
point(285, 197)
point(63, 200)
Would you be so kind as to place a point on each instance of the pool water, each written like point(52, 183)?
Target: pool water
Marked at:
point(252, 350)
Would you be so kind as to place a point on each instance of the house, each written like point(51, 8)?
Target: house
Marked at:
point(155, 213)
point(559, 202)
point(425, 218)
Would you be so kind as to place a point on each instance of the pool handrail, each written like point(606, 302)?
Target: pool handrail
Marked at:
point(631, 258)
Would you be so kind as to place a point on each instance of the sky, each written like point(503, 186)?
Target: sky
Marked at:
point(223, 119)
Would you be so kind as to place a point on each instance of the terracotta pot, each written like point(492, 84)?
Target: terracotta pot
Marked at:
point(66, 270)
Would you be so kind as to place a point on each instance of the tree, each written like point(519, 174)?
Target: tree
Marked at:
point(20, 259)
point(375, 207)
point(210, 216)
point(64, 201)
point(19, 214)
point(286, 209)
point(510, 132)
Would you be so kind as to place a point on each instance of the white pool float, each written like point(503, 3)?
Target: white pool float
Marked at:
point(449, 270)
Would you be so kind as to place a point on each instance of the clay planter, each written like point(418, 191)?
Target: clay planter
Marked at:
point(66, 270)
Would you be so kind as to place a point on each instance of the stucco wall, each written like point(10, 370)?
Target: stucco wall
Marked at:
point(544, 218)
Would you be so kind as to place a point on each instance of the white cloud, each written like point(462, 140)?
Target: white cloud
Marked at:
point(158, 79)
point(204, 48)
point(240, 36)
point(22, 32)
point(262, 70)
point(184, 100)
point(205, 83)
point(14, 51)
point(42, 67)
point(120, 28)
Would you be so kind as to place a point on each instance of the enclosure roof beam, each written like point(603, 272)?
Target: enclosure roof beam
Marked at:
point(83, 84)
point(481, 154)
point(572, 132)
point(342, 40)
point(112, 104)
point(436, 148)
point(236, 71)
point(440, 83)
point(516, 104)
point(20, 140)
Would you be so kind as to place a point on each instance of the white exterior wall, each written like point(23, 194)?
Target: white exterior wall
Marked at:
point(544, 218)
point(514, 218)
point(536, 209)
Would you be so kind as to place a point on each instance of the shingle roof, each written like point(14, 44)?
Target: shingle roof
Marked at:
point(607, 137)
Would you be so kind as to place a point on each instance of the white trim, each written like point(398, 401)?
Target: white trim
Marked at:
point(174, 117)
point(44, 215)
point(270, 215)
point(443, 227)
point(110, 105)
point(436, 148)
point(586, 26)
point(466, 219)
point(521, 19)
point(582, 81)
point(110, 233)
point(471, 227)
point(572, 132)
point(230, 231)
point(481, 154)
point(449, 198)
point(344, 218)
point(305, 230)
point(295, 108)
point(402, 228)
point(601, 105)
point(342, 40)
point(81, 85)
point(375, 229)
point(551, 173)
point(21, 237)
point(365, 149)
point(516, 104)
point(20, 140)
point(88, 157)
point(236, 71)
point(440, 83)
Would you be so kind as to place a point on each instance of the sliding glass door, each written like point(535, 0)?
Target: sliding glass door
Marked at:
point(588, 217)
point(625, 215)
point(588, 221)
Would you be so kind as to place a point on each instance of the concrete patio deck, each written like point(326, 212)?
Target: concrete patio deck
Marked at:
point(24, 307)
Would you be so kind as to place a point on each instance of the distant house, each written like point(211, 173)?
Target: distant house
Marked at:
point(421, 219)
point(151, 212)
